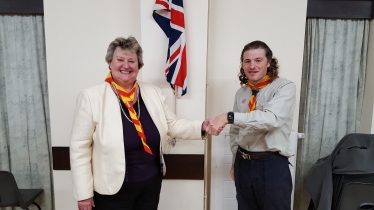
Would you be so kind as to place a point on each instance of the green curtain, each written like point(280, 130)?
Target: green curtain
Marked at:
point(335, 54)
point(25, 145)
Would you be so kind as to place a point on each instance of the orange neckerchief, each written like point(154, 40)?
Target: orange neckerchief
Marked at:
point(255, 88)
point(128, 99)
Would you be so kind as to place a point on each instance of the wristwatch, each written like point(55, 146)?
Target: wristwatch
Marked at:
point(230, 117)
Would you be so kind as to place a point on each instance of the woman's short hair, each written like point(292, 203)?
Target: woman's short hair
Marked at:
point(272, 70)
point(128, 44)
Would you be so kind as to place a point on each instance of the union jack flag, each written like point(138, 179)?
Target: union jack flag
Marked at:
point(169, 15)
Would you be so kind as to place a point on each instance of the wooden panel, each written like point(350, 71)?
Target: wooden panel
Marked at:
point(21, 7)
point(340, 9)
point(179, 166)
point(182, 166)
point(61, 159)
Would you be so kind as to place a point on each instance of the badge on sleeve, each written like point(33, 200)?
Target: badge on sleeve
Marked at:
point(243, 101)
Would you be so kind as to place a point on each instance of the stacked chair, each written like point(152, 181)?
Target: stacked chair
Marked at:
point(11, 195)
point(344, 180)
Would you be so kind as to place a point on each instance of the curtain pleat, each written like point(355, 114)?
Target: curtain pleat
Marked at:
point(25, 146)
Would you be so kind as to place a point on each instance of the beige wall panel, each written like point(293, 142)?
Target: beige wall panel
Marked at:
point(154, 43)
point(77, 36)
point(367, 116)
point(232, 24)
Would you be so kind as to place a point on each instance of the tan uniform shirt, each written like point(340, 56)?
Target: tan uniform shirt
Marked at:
point(269, 126)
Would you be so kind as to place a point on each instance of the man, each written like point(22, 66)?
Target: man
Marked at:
point(260, 128)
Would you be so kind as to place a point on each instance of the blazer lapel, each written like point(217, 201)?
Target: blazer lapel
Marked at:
point(111, 118)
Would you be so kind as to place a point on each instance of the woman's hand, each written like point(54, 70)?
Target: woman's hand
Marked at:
point(206, 124)
point(86, 204)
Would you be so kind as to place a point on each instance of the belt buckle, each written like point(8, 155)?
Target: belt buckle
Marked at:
point(245, 156)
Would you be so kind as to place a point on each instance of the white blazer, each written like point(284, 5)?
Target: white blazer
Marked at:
point(97, 155)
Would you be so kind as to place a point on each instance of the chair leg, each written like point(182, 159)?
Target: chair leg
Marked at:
point(366, 206)
point(37, 205)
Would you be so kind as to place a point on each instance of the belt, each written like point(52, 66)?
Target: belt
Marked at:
point(256, 155)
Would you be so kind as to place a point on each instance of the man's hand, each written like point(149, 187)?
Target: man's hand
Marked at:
point(209, 128)
point(86, 204)
point(220, 121)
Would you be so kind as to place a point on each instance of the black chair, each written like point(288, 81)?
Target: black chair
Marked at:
point(352, 190)
point(344, 180)
point(11, 195)
point(366, 206)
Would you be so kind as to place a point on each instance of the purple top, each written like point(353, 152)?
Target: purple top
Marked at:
point(140, 165)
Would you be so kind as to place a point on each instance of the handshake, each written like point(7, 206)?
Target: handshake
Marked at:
point(216, 125)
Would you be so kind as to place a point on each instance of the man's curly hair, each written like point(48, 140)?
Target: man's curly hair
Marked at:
point(272, 70)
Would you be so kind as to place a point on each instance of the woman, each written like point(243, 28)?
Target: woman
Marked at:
point(118, 133)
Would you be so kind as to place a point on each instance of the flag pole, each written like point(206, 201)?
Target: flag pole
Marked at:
point(208, 141)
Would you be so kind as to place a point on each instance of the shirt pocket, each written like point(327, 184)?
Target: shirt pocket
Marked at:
point(243, 104)
point(261, 105)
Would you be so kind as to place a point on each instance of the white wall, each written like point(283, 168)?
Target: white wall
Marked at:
point(367, 116)
point(370, 75)
point(77, 36)
point(78, 33)
point(190, 193)
point(232, 24)
point(154, 43)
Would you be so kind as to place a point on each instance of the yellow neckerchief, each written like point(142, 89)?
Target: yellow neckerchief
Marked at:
point(128, 99)
point(255, 89)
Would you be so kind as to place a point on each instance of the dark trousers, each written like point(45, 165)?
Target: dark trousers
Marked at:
point(263, 184)
point(143, 195)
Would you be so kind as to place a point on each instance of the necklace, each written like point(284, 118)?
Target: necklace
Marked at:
point(124, 113)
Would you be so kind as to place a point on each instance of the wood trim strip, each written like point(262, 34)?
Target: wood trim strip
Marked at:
point(183, 166)
point(21, 7)
point(61, 158)
point(178, 166)
point(340, 9)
